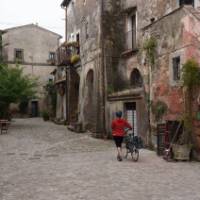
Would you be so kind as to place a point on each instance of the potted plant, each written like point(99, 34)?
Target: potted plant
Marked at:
point(45, 115)
point(190, 78)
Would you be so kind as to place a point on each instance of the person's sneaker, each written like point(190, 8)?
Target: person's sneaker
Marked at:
point(119, 158)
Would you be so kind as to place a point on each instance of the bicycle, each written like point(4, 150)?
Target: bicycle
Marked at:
point(133, 143)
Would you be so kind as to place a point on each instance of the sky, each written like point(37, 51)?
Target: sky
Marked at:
point(47, 13)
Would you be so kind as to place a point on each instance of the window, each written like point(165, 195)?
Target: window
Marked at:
point(19, 54)
point(136, 79)
point(51, 55)
point(86, 30)
point(186, 2)
point(176, 69)
point(78, 42)
point(131, 34)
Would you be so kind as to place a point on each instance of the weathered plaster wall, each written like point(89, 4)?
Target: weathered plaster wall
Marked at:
point(177, 35)
point(36, 43)
point(169, 33)
point(85, 19)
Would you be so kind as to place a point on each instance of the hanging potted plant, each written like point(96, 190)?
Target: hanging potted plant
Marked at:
point(190, 78)
point(75, 58)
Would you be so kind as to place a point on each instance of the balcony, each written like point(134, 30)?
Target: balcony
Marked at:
point(65, 52)
point(51, 61)
point(63, 56)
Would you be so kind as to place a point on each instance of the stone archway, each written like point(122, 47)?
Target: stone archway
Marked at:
point(136, 80)
point(89, 101)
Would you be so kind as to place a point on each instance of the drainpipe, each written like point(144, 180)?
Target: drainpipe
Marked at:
point(103, 73)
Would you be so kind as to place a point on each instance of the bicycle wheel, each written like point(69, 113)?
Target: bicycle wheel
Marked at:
point(126, 155)
point(135, 155)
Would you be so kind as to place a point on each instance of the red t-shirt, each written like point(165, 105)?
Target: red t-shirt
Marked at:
point(118, 126)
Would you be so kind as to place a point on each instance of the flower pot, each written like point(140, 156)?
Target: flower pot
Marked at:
point(181, 152)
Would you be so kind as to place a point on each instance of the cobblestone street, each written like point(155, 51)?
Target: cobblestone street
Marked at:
point(43, 161)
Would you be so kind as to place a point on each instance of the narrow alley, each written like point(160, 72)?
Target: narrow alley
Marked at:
point(43, 161)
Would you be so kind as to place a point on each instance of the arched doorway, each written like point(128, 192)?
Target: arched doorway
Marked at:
point(74, 96)
point(136, 79)
point(89, 101)
point(135, 109)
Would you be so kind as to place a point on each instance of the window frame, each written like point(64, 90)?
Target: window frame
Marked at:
point(52, 57)
point(131, 30)
point(22, 54)
point(86, 30)
point(183, 2)
point(176, 68)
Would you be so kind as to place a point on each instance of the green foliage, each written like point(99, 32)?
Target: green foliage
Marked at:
point(149, 46)
point(1, 48)
point(191, 73)
point(191, 78)
point(23, 106)
point(159, 109)
point(14, 87)
point(110, 89)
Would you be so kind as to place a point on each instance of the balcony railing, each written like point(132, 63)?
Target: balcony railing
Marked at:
point(130, 44)
point(63, 55)
point(51, 61)
point(66, 51)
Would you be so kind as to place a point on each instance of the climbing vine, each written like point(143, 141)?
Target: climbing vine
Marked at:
point(190, 78)
point(149, 47)
point(159, 109)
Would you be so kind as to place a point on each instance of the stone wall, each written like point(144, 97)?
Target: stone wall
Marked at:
point(85, 20)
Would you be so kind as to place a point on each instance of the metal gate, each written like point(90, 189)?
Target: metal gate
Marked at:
point(131, 115)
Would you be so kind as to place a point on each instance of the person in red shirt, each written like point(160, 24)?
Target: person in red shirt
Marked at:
point(118, 131)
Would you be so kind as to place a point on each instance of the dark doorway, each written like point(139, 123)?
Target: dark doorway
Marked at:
point(89, 104)
point(34, 109)
point(74, 96)
point(131, 115)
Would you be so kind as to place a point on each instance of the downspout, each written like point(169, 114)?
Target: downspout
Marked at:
point(103, 73)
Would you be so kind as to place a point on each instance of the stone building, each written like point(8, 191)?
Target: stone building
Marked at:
point(114, 71)
point(33, 47)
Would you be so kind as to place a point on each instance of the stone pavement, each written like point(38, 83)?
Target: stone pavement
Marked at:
point(43, 161)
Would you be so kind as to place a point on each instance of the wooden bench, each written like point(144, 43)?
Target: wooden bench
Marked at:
point(4, 125)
